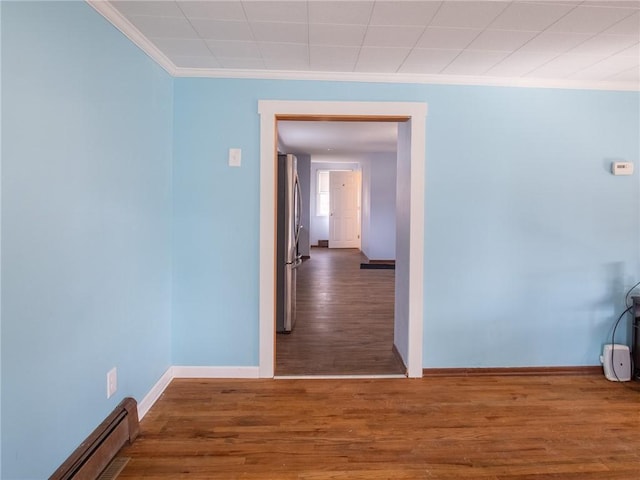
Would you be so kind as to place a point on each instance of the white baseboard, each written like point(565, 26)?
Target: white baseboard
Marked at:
point(215, 372)
point(338, 377)
point(191, 372)
point(154, 394)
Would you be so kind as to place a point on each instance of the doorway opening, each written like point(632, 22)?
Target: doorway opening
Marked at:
point(411, 118)
point(345, 298)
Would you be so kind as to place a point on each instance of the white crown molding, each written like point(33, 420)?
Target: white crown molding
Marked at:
point(114, 17)
point(404, 78)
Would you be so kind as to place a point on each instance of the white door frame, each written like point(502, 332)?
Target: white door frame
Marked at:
point(269, 110)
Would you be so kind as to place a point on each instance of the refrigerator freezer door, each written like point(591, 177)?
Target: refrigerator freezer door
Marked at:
point(287, 236)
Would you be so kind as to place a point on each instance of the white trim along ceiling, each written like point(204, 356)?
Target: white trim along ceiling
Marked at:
point(581, 44)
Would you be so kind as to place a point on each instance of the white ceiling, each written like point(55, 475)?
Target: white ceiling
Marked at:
point(337, 138)
point(573, 43)
point(561, 43)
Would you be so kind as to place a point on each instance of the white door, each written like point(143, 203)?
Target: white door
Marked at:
point(344, 218)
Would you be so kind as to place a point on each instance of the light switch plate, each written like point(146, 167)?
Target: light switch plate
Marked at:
point(235, 157)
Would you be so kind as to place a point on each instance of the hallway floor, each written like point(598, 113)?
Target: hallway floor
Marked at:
point(344, 321)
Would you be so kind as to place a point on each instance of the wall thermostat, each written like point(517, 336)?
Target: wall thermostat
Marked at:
point(622, 168)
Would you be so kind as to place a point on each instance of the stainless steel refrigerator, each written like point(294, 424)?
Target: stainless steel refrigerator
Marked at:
point(288, 233)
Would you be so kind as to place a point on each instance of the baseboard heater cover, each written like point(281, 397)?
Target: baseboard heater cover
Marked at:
point(104, 443)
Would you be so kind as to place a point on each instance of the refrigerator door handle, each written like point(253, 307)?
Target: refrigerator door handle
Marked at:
point(298, 230)
point(297, 208)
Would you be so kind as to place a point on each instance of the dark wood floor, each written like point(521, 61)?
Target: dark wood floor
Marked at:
point(344, 321)
point(489, 428)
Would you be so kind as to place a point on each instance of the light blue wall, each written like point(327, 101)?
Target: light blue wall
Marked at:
point(0, 239)
point(378, 206)
point(530, 242)
point(86, 228)
point(215, 259)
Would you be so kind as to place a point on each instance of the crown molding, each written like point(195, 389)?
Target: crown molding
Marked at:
point(403, 78)
point(132, 33)
point(114, 17)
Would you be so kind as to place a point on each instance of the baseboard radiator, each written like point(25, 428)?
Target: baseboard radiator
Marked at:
point(104, 443)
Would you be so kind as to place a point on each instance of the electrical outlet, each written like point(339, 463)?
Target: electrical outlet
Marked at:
point(112, 382)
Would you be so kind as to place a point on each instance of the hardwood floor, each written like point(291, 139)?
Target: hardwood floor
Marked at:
point(498, 428)
point(344, 320)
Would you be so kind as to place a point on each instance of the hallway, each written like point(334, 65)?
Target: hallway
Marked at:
point(344, 321)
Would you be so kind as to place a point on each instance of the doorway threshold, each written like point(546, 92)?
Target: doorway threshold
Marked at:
point(338, 377)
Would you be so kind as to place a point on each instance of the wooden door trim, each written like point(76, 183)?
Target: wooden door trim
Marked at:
point(344, 118)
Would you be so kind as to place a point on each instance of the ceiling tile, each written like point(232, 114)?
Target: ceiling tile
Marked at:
point(626, 26)
point(563, 66)
point(631, 75)
point(605, 45)
point(340, 13)
point(222, 30)
point(381, 59)
point(296, 52)
point(281, 12)
point(474, 62)
point(519, 63)
point(184, 47)
point(633, 51)
point(398, 36)
point(213, 10)
point(447, 38)
point(613, 3)
point(195, 62)
point(348, 35)
point(286, 64)
point(173, 27)
point(280, 32)
point(554, 42)
point(530, 16)
point(467, 14)
point(329, 57)
point(501, 40)
point(589, 19)
point(242, 63)
point(221, 48)
point(428, 60)
point(606, 68)
point(403, 13)
point(584, 39)
point(149, 8)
